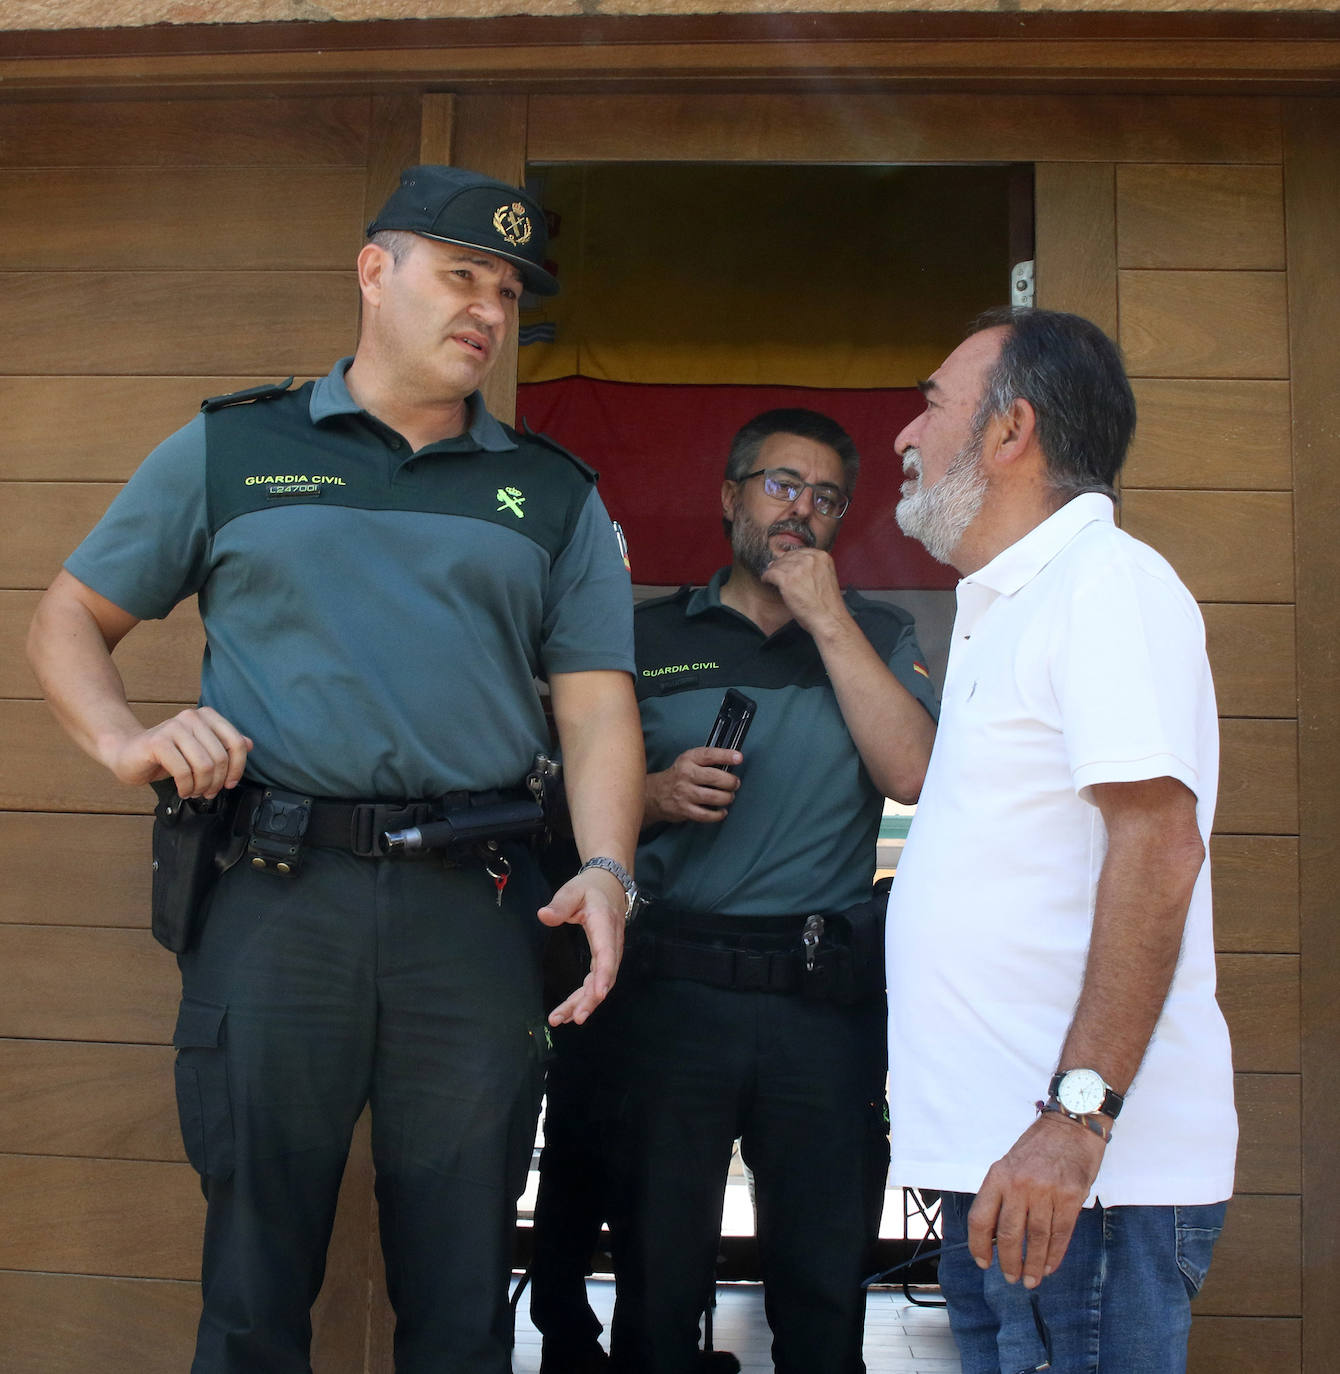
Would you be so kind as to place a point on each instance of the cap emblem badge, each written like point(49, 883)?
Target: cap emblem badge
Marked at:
point(513, 223)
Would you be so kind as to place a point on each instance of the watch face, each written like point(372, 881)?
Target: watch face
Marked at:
point(1081, 1091)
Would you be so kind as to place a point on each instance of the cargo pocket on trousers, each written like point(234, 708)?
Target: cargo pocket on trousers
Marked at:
point(204, 1105)
point(1197, 1230)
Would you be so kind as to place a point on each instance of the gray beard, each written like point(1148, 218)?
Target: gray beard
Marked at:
point(749, 542)
point(938, 516)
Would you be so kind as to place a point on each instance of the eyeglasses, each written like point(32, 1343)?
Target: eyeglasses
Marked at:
point(782, 485)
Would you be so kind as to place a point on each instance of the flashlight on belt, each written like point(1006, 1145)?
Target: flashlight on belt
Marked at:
point(504, 820)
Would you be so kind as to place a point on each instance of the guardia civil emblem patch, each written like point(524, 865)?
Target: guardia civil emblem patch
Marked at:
point(513, 223)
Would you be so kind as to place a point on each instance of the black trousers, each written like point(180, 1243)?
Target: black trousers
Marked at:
point(801, 1083)
point(401, 984)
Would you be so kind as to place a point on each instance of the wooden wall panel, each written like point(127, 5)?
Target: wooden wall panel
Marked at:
point(1244, 1345)
point(905, 128)
point(1269, 1133)
point(1200, 216)
point(159, 660)
point(1312, 211)
point(120, 420)
point(61, 1323)
point(201, 321)
point(1255, 893)
point(278, 218)
point(1204, 324)
point(1258, 994)
point(1208, 433)
point(1256, 1265)
point(75, 870)
point(1225, 545)
point(100, 1216)
point(267, 131)
point(1252, 655)
point(40, 522)
point(78, 983)
point(1074, 240)
point(1258, 778)
point(61, 1097)
point(40, 770)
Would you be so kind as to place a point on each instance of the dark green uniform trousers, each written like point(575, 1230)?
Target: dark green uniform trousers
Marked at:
point(402, 984)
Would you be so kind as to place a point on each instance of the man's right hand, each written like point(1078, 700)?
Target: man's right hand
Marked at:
point(197, 748)
point(696, 787)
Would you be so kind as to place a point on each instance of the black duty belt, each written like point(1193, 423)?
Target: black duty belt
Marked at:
point(357, 826)
point(746, 953)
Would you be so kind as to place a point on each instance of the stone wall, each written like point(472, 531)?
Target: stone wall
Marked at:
point(78, 14)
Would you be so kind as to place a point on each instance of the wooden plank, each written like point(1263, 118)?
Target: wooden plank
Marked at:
point(41, 770)
point(393, 146)
point(124, 323)
point(1209, 433)
point(1252, 654)
point(61, 1097)
point(1200, 216)
point(1256, 1264)
point(1258, 778)
point(101, 1216)
point(1204, 324)
point(60, 1323)
point(74, 870)
point(284, 218)
point(1258, 994)
point(1075, 245)
point(1269, 1133)
point(488, 134)
point(159, 660)
point(120, 420)
point(1245, 1345)
point(80, 983)
point(1225, 545)
point(901, 128)
point(266, 131)
point(41, 522)
point(1255, 893)
point(1312, 210)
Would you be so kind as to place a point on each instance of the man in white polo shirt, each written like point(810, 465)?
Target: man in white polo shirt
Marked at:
point(1050, 952)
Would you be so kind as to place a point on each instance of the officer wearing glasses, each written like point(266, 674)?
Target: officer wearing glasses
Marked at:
point(751, 1009)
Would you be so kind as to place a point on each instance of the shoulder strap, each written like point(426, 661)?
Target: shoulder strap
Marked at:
point(253, 393)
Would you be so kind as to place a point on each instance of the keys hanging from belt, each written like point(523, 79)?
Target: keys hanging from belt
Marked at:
point(809, 939)
point(499, 868)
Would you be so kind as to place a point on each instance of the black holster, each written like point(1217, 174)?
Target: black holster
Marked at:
point(193, 843)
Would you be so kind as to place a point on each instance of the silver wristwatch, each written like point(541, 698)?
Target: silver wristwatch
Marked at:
point(1081, 1092)
point(624, 877)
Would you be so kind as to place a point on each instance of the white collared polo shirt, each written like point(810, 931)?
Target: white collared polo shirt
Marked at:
point(1078, 658)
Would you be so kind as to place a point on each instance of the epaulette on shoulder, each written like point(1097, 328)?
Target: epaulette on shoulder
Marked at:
point(585, 469)
point(669, 599)
point(253, 393)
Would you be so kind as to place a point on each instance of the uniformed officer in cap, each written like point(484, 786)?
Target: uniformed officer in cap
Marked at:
point(383, 571)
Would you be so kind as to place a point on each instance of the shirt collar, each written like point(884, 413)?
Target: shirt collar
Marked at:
point(1013, 568)
point(708, 598)
point(330, 396)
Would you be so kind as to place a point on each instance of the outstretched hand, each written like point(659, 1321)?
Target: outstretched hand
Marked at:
point(594, 900)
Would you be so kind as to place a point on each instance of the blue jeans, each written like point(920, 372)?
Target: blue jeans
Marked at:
point(1120, 1303)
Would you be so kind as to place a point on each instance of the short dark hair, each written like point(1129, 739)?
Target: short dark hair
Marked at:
point(805, 424)
point(1072, 375)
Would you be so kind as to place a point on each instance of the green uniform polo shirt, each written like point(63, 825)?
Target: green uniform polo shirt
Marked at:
point(800, 835)
point(375, 618)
